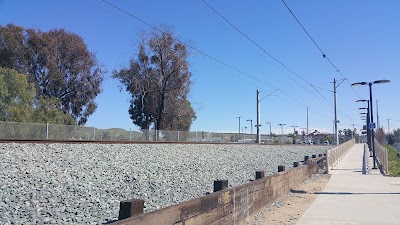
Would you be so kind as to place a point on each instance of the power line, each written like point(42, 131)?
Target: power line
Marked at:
point(266, 52)
point(197, 50)
point(320, 49)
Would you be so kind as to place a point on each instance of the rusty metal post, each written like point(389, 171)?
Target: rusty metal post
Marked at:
point(281, 168)
point(260, 174)
point(130, 208)
point(220, 185)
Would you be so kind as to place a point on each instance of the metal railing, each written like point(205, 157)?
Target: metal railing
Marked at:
point(334, 155)
point(382, 157)
point(16, 130)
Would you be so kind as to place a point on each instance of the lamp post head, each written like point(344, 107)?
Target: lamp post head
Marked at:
point(359, 84)
point(381, 81)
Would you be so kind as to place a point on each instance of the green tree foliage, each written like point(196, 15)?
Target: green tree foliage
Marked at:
point(159, 83)
point(16, 96)
point(18, 103)
point(59, 64)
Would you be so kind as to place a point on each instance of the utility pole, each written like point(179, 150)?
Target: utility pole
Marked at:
point(281, 124)
point(307, 124)
point(335, 106)
point(258, 125)
point(239, 124)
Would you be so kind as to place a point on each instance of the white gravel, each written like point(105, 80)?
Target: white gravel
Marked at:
point(84, 183)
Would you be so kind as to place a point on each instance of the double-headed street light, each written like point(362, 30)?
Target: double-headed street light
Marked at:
point(371, 111)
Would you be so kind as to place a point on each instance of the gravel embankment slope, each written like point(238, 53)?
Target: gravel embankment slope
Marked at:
point(74, 183)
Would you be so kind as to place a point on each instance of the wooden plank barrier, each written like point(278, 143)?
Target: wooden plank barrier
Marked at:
point(231, 205)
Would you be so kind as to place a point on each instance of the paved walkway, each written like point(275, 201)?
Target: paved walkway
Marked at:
point(353, 198)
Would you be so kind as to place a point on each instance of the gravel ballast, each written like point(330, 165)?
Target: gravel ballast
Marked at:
point(84, 183)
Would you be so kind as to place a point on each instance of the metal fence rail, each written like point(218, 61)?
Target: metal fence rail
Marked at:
point(334, 155)
point(382, 156)
point(15, 130)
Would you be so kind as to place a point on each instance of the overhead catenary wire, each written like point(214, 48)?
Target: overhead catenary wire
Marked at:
point(265, 51)
point(320, 49)
point(199, 51)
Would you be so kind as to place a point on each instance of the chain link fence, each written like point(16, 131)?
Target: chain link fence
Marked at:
point(14, 130)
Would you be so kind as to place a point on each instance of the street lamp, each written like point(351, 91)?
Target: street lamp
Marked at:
point(251, 126)
point(371, 111)
point(244, 134)
point(282, 124)
point(294, 133)
point(269, 129)
point(367, 124)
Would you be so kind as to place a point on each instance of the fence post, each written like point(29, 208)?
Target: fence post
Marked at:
point(47, 130)
point(196, 136)
point(130, 208)
point(220, 185)
point(94, 133)
point(260, 174)
point(178, 135)
point(130, 134)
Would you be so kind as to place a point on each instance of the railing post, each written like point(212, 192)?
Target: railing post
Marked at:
point(94, 133)
point(178, 135)
point(47, 130)
point(130, 134)
point(328, 165)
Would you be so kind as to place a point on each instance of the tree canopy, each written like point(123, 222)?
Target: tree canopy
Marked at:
point(158, 80)
point(58, 63)
point(18, 103)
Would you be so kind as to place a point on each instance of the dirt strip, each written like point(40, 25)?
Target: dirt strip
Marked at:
point(288, 208)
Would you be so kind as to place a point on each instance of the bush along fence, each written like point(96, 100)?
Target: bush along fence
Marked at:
point(334, 155)
point(382, 157)
point(225, 205)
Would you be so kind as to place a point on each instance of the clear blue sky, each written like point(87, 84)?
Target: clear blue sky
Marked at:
point(360, 37)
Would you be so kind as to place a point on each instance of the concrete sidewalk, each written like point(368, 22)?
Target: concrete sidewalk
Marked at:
point(353, 198)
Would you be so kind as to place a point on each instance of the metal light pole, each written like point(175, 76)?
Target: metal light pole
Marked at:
point(371, 112)
point(269, 130)
point(251, 126)
point(294, 133)
point(388, 125)
point(281, 124)
point(239, 124)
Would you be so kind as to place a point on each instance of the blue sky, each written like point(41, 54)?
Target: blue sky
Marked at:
point(360, 37)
